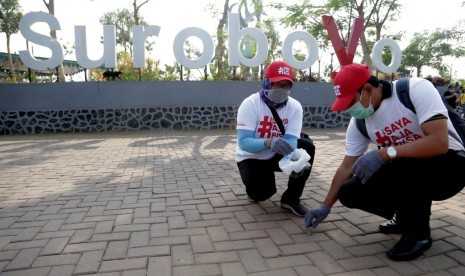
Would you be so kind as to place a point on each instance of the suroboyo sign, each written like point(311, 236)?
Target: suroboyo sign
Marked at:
point(141, 33)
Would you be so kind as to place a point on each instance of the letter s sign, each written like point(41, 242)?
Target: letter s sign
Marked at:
point(57, 51)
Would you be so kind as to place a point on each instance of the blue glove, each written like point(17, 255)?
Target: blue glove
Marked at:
point(315, 216)
point(366, 165)
point(299, 174)
point(280, 146)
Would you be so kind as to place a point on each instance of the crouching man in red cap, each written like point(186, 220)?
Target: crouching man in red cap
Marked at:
point(416, 149)
point(263, 138)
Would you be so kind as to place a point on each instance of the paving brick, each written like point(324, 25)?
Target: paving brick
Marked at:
point(201, 244)
point(82, 247)
point(252, 260)
point(209, 269)
point(120, 265)
point(159, 266)
point(56, 260)
point(61, 270)
point(41, 271)
point(149, 251)
point(182, 255)
point(27, 234)
point(287, 261)
point(217, 233)
point(325, 263)
point(23, 259)
point(233, 245)
point(111, 236)
point(55, 246)
point(89, 262)
point(232, 269)
point(116, 250)
point(360, 263)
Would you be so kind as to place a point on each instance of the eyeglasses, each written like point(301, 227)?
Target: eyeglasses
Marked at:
point(279, 85)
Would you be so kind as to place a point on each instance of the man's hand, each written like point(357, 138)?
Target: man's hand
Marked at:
point(315, 216)
point(299, 174)
point(280, 146)
point(366, 165)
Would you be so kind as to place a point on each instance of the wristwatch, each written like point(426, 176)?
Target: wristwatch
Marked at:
point(392, 153)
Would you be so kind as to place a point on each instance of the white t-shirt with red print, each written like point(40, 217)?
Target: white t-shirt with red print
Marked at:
point(394, 124)
point(255, 115)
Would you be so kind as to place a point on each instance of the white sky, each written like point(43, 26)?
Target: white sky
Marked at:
point(174, 15)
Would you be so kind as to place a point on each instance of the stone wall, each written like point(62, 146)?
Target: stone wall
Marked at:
point(121, 106)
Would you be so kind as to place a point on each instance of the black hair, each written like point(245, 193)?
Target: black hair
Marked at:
point(374, 81)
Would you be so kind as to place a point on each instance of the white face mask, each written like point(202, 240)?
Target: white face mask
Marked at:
point(277, 95)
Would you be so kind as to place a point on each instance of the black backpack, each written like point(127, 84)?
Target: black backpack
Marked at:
point(402, 87)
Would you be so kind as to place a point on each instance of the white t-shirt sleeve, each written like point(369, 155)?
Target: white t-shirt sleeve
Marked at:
point(247, 115)
point(356, 142)
point(426, 99)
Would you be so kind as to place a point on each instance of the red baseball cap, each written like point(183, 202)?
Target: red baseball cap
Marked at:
point(278, 71)
point(349, 79)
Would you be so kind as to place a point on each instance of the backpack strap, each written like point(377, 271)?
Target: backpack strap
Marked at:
point(402, 87)
point(360, 124)
point(277, 119)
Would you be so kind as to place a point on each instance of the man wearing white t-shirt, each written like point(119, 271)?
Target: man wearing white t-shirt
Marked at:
point(261, 144)
point(416, 150)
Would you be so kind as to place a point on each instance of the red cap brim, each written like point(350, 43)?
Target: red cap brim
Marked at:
point(342, 103)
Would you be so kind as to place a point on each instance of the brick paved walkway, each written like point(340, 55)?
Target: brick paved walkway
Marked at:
point(172, 203)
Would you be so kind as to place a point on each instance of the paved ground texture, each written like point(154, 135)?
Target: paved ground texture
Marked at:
point(172, 203)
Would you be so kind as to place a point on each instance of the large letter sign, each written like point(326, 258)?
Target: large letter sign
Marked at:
point(395, 55)
point(57, 51)
point(345, 56)
point(236, 36)
point(138, 45)
point(235, 33)
point(312, 49)
point(208, 47)
point(109, 48)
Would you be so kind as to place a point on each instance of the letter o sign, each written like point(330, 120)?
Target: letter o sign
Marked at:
point(377, 55)
point(208, 47)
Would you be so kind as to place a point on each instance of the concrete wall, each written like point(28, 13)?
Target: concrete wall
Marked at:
point(116, 105)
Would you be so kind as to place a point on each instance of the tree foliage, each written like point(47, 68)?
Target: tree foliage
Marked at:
point(429, 49)
point(10, 15)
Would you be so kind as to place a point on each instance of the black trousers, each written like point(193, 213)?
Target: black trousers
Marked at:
point(406, 187)
point(259, 178)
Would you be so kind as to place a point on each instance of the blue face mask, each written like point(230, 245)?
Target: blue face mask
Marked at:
point(358, 111)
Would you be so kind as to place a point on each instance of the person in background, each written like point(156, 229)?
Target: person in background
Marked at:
point(410, 168)
point(461, 102)
point(261, 145)
point(451, 96)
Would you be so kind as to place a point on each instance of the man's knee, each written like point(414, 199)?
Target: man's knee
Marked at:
point(260, 195)
point(346, 193)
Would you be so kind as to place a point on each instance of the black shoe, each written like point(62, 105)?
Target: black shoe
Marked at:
point(391, 227)
point(297, 208)
point(409, 247)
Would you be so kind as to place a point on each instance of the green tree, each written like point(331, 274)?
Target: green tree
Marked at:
point(123, 20)
point(219, 68)
point(429, 49)
point(10, 15)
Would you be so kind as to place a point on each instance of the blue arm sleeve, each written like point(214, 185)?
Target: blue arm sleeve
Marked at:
point(247, 141)
point(291, 139)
